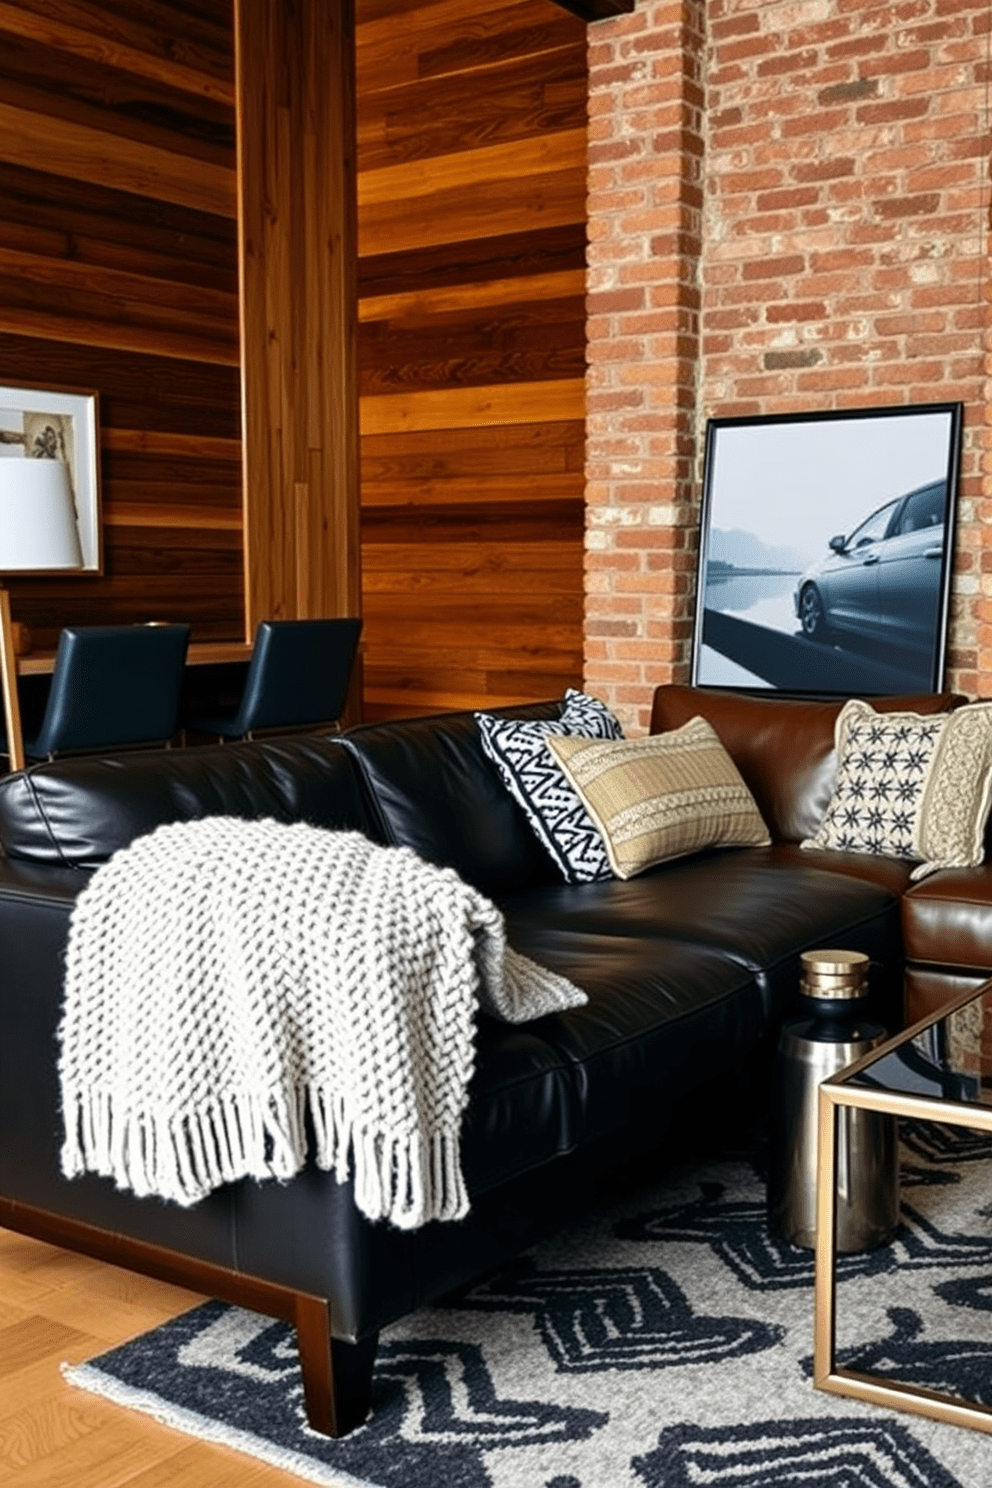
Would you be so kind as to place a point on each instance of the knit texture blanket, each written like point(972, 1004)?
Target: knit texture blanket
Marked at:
point(225, 977)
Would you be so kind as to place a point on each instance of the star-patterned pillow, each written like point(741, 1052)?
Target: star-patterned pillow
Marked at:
point(911, 786)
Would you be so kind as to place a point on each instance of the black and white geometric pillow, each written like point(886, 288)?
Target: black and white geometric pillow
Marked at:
point(534, 778)
point(883, 762)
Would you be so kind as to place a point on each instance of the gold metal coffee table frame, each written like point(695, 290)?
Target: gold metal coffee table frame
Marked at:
point(836, 1093)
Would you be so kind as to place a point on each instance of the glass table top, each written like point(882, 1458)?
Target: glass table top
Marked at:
point(949, 1058)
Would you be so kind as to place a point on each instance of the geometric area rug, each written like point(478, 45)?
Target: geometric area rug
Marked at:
point(663, 1341)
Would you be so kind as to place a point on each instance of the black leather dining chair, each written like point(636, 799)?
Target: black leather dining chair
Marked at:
point(113, 686)
point(298, 676)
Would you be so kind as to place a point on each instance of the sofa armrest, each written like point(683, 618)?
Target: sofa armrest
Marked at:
point(947, 920)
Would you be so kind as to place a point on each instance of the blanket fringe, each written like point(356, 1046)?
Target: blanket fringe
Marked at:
point(406, 1179)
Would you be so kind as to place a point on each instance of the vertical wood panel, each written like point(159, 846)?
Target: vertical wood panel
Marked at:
point(295, 90)
point(471, 189)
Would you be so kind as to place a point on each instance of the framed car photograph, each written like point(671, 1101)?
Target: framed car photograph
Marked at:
point(825, 551)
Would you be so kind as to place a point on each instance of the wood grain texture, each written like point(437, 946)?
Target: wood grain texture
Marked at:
point(89, 224)
point(87, 154)
point(111, 308)
point(57, 1306)
point(482, 490)
point(498, 207)
point(118, 273)
point(419, 347)
point(468, 171)
point(538, 250)
point(13, 736)
point(453, 408)
point(295, 79)
point(196, 36)
point(471, 190)
point(551, 448)
point(530, 290)
point(424, 119)
point(38, 76)
point(183, 447)
point(106, 51)
point(402, 43)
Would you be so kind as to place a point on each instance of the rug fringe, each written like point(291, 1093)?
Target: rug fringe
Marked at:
point(87, 1377)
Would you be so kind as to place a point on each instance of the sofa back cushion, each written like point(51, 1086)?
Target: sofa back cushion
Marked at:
point(79, 811)
point(432, 788)
point(783, 747)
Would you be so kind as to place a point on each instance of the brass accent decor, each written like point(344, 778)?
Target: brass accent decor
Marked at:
point(834, 974)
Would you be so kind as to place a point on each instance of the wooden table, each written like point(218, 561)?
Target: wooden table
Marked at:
point(200, 653)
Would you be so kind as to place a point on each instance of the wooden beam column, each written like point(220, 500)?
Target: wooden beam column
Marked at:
point(295, 81)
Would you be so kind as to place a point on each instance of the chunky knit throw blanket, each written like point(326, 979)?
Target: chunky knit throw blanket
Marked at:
point(225, 977)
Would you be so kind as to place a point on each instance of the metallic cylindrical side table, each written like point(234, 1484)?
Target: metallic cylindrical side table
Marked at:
point(834, 988)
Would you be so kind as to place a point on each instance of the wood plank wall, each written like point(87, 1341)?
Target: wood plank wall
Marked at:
point(472, 182)
point(118, 274)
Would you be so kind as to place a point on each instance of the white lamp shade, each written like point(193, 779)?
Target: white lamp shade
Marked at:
point(37, 517)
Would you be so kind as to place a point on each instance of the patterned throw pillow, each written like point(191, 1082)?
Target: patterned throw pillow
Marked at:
point(911, 786)
point(662, 796)
point(518, 749)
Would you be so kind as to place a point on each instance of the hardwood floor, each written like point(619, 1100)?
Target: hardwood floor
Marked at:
point(58, 1307)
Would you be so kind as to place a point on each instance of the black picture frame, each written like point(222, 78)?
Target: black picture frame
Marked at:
point(823, 568)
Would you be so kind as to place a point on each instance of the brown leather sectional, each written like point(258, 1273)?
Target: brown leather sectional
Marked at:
point(946, 919)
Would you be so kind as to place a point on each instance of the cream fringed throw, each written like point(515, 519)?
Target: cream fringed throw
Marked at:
point(224, 976)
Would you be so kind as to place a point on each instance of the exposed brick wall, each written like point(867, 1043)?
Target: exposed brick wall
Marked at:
point(788, 211)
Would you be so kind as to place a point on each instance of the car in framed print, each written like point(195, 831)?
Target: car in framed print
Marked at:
point(883, 579)
point(826, 543)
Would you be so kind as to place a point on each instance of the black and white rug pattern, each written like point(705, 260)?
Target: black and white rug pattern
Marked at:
point(665, 1342)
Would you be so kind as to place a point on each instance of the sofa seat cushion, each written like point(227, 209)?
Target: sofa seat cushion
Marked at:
point(658, 1014)
point(947, 920)
point(754, 909)
point(662, 1017)
point(889, 873)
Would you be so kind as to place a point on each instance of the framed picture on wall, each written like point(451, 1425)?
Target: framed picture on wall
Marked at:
point(60, 424)
point(825, 551)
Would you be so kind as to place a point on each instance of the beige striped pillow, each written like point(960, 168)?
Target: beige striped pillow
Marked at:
point(661, 796)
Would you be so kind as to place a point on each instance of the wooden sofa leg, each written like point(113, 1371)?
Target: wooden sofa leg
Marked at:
point(337, 1376)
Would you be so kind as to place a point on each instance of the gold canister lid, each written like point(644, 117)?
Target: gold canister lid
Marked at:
point(834, 962)
point(840, 974)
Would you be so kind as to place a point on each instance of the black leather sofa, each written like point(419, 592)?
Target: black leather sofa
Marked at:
point(689, 970)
